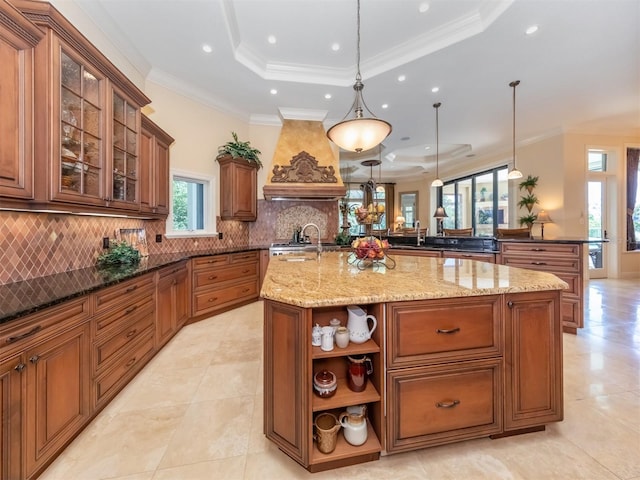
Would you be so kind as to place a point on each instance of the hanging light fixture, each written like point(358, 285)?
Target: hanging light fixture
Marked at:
point(514, 173)
point(437, 182)
point(360, 133)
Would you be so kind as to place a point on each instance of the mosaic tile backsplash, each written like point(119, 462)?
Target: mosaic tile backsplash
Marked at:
point(39, 244)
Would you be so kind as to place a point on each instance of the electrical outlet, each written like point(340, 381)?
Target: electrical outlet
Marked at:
point(158, 238)
point(105, 242)
point(219, 235)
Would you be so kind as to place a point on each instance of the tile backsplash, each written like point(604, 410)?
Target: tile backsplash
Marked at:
point(39, 244)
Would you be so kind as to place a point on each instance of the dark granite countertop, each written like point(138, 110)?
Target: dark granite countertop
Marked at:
point(22, 298)
point(555, 240)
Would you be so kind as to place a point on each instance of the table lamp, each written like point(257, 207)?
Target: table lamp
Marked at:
point(400, 221)
point(542, 218)
point(440, 215)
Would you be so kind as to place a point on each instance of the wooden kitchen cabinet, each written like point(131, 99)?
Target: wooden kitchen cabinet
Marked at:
point(224, 281)
point(154, 169)
point(290, 406)
point(18, 37)
point(479, 256)
point(172, 296)
point(238, 189)
point(45, 375)
point(88, 118)
point(565, 260)
point(533, 360)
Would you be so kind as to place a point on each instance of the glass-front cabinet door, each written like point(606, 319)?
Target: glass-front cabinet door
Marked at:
point(125, 168)
point(79, 174)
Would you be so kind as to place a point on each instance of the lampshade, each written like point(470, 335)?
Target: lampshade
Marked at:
point(543, 217)
point(400, 219)
point(514, 173)
point(437, 182)
point(440, 213)
point(359, 133)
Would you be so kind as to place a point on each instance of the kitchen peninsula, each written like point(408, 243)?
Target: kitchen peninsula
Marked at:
point(463, 349)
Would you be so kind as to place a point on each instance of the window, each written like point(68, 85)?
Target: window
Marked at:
point(409, 208)
point(479, 201)
point(633, 199)
point(192, 206)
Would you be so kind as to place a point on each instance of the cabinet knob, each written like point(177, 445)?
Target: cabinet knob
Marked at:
point(213, 277)
point(510, 304)
point(34, 359)
point(212, 299)
point(18, 368)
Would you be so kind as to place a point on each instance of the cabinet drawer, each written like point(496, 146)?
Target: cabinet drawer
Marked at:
point(128, 333)
point(218, 298)
point(206, 262)
point(542, 250)
point(244, 257)
point(122, 370)
point(130, 309)
point(129, 291)
point(18, 333)
point(420, 332)
point(574, 280)
point(546, 264)
point(434, 405)
point(212, 276)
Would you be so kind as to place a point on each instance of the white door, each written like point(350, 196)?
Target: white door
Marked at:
point(597, 227)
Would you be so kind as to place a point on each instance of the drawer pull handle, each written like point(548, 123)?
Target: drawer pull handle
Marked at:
point(538, 263)
point(212, 299)
point(449, 404)
point(131, 362)
point(246, 271)
point(130, 309)
point(246, 290)
point(34, 359)
point(33, 331)
point(19, 367)
point(131, 289)
point(448, 330)
point(132, 333)
point(538, 249)
point(213, 277)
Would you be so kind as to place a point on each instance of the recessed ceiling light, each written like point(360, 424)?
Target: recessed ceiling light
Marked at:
point(531, 30)
point(427, 148)
point(404, 139)
point(273, 91)
point(206, 48)
point(327, 96)
point(385, 105)
point(402, 78)
point(435, 89)
point(271, 39)
point(335, 47)
point(423, 7)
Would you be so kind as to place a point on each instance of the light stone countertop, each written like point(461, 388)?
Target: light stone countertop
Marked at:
point(335, 280)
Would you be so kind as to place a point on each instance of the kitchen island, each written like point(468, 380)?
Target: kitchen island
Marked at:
point(463, 349)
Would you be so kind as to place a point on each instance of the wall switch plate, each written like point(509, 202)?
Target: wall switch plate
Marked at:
point(158, 238)
point(105, 242)
point(219, 235)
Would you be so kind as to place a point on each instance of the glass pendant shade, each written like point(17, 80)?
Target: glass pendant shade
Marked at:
point(514, 174)
point(437, 183)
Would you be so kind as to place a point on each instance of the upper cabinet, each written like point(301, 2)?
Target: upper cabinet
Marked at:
point(18, 37)
point(238, 189)
point(89, 144)
point(154, 168)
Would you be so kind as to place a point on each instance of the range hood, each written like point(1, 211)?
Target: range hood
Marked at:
point(304, 166)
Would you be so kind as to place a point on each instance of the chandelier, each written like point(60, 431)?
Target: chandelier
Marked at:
point(360, 132)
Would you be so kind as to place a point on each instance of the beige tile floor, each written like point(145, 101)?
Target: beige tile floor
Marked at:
point(195, 412)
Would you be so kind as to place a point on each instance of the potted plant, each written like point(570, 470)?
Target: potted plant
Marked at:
point(528, 201)
point(528, 220)
point(238, 149)
point(483, 192)
point(530, 183)
point(119, 253)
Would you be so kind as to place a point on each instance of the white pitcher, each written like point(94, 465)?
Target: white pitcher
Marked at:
point(358, 324)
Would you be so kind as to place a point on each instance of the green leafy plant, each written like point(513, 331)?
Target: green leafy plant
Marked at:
point(343, 238)
point(119, 253)
point(530, 183)
point(528, 219)
point(528, 201)
point(238, 149)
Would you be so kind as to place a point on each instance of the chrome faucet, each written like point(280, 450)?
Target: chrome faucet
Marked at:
point(317, 230)
point(417, 224)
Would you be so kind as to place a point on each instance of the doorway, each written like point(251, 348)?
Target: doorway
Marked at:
point(597, 227)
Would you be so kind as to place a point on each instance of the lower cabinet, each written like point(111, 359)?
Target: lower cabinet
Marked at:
point(172, 297)
point(44, 386)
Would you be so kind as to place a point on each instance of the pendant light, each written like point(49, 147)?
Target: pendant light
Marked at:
point(437, 182)
point(515, 173)
point(359, 133)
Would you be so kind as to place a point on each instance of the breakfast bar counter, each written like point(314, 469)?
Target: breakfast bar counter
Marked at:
point(458, 349)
